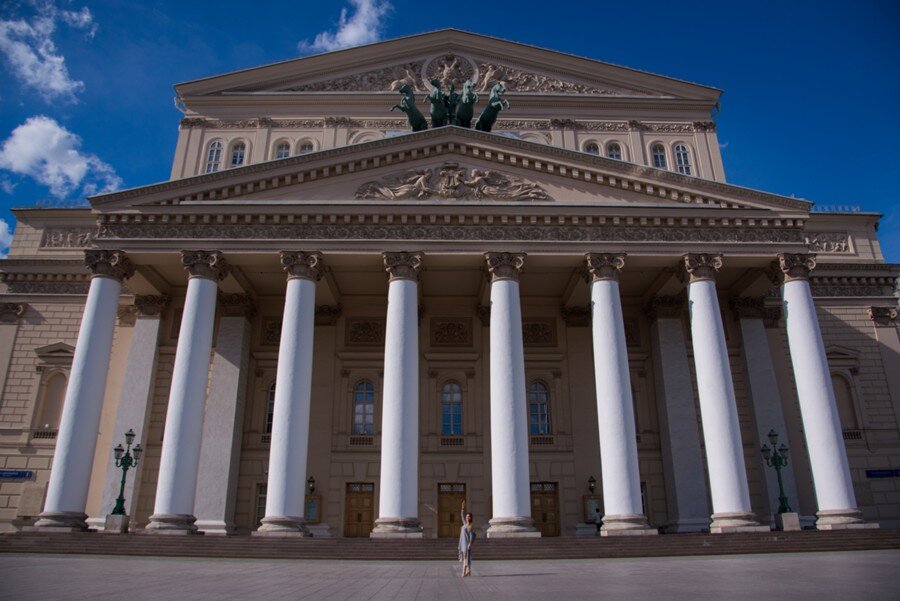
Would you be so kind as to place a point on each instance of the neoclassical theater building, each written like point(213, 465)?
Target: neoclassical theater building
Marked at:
point(329, 322)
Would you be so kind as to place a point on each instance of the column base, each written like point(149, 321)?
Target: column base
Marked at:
point(842, 519)
point(729, 523)
point(515, 527)
point(626, 525)
point(687, 525)
point(397, 528)
point(283, 526)
point(172, 524)
point(59, 521)
point(215, 527)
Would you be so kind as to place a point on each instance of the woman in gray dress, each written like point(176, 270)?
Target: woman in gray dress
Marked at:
point(466, 536)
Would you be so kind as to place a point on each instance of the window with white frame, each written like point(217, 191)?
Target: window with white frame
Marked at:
point(214, 156)
point(451, 409)
point(682, 159)
point(282, 150)
point(238, 150)
point(658, 153)
point(270, 408)
point(592, 148)
point(614, 151)
point(305, 147)
point(538, 408)
point(364, 408)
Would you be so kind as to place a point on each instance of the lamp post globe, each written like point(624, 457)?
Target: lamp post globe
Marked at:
point(777, 458)
point(126, 458)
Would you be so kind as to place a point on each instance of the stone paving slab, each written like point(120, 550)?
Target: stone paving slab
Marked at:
point(845, 576)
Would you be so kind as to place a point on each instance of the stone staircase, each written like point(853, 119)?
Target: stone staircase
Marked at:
point(445, 549)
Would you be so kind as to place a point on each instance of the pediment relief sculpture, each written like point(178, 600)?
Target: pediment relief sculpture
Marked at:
point(451, 181)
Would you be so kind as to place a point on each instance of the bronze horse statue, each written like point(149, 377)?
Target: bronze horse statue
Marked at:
point(439, 115)
point(466, 109)
point(408, 106)
point(495, 104)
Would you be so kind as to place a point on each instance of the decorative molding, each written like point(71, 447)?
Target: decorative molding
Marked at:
point(236, 305)
point(504, 266)
point(828, 242)
point(271, 331)
point(518, 80)
point(48, 287)
point(302, 265)
point(665, 307)
point(772, 316)
point(108, 263)
point(403, 265)
point(859, 286)
point(632, 331)
point(450, 181)
point(539, 332)
point(604, 266)
point(205, 264)
point(11, 312)
point(151, 305)
point(883, 317)
point(375, 80)
point(126, 315)
point(748, 307)
point(576, 317)
point(795, 266)
point(364, 331)
point(73, 237)
point(697, 267)
point(451, 331)
point(327, 315)
point(520, 124)
point(484, 314)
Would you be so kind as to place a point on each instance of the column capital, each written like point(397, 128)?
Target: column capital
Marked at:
point(208, 264)
point(883, 317)
point(696, 267)
point(604, 266)
point(795, 266)
point(403, 265)
point(504, 266)
point(237, 305)
point(150, 305)
point(11, 312)
point(302, 265)
point(670, 307)
point(109, 264)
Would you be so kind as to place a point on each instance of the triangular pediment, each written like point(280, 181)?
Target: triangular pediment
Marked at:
point(452, 165)
point(58, 353)
point(454, 57)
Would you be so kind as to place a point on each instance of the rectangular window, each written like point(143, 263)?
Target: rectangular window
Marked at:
point(260, 502)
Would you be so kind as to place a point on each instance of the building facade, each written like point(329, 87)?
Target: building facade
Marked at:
point(327, 323)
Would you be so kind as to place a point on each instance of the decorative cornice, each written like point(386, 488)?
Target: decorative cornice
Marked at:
point(327, 315)
point(697, 267)
point(206, 264)
point(748, 307)
point(883, 317)
point(11, 312)
point(576, 317)
point(403, 265)
point(504, 266)
point(795, 266)
point(302, 265)
point(604, 266)
point(665, 307)
point(151, 305)
point(109, 264)
point(237, 305)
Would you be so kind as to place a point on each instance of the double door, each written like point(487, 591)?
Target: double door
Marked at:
point(450, 498)
point(359, 509)
point(545, 507)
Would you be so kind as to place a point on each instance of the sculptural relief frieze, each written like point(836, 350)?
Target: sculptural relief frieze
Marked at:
point(451, 181)
point(374, 80)
point(67, 238)
point(828, 242)
point(365, 332)
point(539, 332)
point(451, 332)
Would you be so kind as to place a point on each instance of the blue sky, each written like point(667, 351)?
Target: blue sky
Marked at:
point(810, 103)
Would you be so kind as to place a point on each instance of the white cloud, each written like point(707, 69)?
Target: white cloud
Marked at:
point(5, 238)
point(27, 44)
point(364, 26)
point(7, 185)
point(43, 149)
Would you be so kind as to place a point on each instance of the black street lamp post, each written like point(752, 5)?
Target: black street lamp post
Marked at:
point(777, 460)
point(125, 458)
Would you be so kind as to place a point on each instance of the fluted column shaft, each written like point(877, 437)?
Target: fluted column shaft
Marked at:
point(509, 416)
point(718, 408)
point(615, 412)
point(173, 511)
point(286, 490)
point(821, 422)
point(77, 438)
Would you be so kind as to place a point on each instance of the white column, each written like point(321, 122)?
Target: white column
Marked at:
point(286, 490)
point(509, 415)
point(224, 415)
point(718, 409)
point(74, 456)
point(135, 399)
point(765, 397)
point(679, 431)
point(398, 500)
point(615, 410)
point(173, 511)
point(821, 422)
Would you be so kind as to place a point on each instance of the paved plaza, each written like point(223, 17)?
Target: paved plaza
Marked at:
point(869, 575)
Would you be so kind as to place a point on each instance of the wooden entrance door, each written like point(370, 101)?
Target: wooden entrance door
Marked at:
point(450, 498)
point(545, 507)
point(359, 509)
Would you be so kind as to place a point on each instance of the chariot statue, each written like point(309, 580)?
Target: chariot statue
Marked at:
point(467, 101)
point(495, 104)
point(408, 105)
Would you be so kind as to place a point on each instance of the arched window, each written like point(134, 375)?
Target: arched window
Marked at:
point(283, 150)
point(592, 148)
point(238, 150)
point(659, 156)
point(538, 408)
point(682, 159)
point(451, 409)
point(270, 408)
point(843, 397)
point(51, 402)
point(305, 147)
point(614, 151)
point(214, 156)
point(364, 408)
